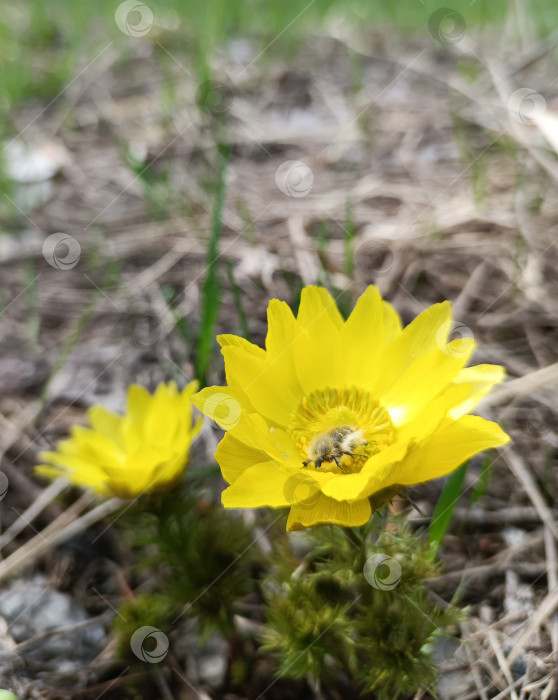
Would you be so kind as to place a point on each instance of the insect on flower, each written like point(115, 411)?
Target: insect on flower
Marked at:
point(333, 445)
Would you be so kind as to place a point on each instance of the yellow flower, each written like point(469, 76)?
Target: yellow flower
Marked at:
point(334, 412)
point(143, 450)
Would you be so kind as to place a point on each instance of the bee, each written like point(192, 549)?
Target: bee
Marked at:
point(331, 446)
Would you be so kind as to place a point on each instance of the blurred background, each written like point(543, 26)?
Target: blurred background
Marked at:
point(166, 168)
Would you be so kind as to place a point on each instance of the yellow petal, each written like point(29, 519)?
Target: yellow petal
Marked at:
point(93, 447)
point(169, 390)
point(132, 423)
point(426, 422)
point(481, 378)
point(317, 350)
point(161, 419)
point(221, 404)
point(274, 443)
point(168, 471)
point(75, 468)
point(97, 484)
point(449, 447)
point(318, 311)
point(151, 469)
point(282, 335)
point(238, 357)
point(189, 435)
point(226, 339)
point(260, 485)
point(327, 511)
point(138, 401)
point(426, 333)
point(106, 422)
point(363, 340)
point(270, 391)
point(424, 380)
point(392, 322)
point(190, 389)
point(282, 328)
point(235, 457)
point(184, 404)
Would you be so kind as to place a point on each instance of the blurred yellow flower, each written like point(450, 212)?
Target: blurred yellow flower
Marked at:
point(335, 412)
point(146, 449)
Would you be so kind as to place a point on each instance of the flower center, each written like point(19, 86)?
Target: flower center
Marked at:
point(339, 429)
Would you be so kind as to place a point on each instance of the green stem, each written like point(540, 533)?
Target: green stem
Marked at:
point(211, 293)
point(351, 535)
point(357, 538)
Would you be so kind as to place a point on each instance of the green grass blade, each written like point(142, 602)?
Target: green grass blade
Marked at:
point(445, 506)
point(211, 293)
point(349, 230)
point(32, 294)
point(238, 301)
point(481, 485)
